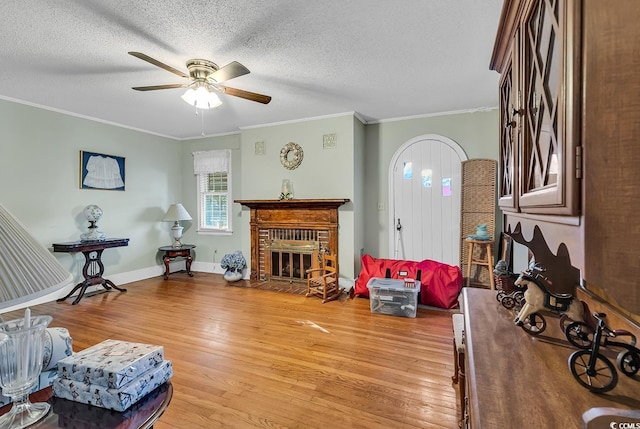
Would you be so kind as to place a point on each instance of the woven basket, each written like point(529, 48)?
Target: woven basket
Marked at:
point(506, 283)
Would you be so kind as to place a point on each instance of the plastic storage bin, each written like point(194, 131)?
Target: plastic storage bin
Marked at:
point(393, 297)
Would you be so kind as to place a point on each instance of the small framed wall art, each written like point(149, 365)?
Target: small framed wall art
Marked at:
point(100, 171)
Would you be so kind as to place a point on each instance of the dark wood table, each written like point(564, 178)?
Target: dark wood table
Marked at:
point(171, 252)
point(93, 269)
point(516, 380)
point(69, 414)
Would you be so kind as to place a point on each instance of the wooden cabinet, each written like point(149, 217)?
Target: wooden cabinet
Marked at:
point(538, 55)
point(569, 152)
point(610, 133)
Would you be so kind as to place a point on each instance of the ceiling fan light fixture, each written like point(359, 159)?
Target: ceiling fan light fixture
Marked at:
point(205, 77)
point(201, 97)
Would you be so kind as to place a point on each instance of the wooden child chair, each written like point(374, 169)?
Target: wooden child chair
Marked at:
point(323, 281)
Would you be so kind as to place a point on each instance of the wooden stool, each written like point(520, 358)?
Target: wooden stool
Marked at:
point(488, 262)
point(458, 356)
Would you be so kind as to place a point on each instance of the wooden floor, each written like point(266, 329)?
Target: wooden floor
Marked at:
point(246, 358)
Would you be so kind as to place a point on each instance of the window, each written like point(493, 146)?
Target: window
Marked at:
point(213, 171)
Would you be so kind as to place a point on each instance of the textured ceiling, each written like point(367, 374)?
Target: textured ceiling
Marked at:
point(381, 59)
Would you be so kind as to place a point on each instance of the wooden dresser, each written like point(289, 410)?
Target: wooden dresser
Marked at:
point(515, 380)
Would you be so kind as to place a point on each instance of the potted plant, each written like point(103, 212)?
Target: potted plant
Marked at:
point(233, 264)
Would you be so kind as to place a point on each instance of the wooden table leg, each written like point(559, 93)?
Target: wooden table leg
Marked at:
point(188, 264)
point(469, 262)
point(167, 259)
point(75, 288)
point(108, 284)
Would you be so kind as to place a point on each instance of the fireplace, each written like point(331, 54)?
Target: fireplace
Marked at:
point(290, 259)
point(288, 236)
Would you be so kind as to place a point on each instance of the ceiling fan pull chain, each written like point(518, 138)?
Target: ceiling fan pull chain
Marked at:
point(202, 122)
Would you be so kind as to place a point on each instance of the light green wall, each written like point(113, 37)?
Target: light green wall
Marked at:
point(211, 248)
point(324, 173)
point(477, 134)
point(39, 172)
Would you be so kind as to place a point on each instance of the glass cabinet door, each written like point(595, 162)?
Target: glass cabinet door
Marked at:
point(509, 136)
point(547, 159)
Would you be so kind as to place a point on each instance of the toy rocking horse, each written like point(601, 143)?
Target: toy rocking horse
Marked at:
point(537, 298)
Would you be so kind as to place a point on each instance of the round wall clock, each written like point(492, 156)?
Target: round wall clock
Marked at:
point(291, 156)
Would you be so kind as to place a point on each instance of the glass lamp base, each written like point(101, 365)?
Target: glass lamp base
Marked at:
point(24, 414)
point(20, 365)
point(176, 231)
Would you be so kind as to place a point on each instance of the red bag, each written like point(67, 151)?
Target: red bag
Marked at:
point(440, 284)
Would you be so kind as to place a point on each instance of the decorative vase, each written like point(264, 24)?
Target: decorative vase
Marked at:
point(286, 190)
point(232, 275)
point(20, 366)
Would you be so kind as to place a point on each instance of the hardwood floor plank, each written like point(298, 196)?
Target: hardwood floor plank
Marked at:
point(247, 358)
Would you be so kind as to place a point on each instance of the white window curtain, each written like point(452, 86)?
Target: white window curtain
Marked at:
point(213, 171)
point(211, 161)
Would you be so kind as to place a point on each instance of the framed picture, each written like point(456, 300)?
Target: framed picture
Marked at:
point(100, 171)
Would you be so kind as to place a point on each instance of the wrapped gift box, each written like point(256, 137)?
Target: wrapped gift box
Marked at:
point(111, 363)
point(73, 414)
point(118, 399)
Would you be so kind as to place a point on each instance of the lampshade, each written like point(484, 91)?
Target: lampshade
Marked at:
point(27, 269)
point(176, 212)
point(202, 96)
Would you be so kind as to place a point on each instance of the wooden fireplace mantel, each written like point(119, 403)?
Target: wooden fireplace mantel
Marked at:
point(314, 214)
point(328, 203)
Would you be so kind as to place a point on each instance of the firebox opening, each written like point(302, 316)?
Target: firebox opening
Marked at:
point(290, 259)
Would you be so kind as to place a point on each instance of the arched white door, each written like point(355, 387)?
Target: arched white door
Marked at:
point(425, 200)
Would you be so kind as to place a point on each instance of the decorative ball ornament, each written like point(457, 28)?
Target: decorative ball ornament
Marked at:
point(291, 156)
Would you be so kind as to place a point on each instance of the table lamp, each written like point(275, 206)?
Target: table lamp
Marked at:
point(175, 214)
point(28, 270)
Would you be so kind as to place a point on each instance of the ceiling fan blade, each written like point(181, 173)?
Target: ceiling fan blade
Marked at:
point(264, 99)
point(158, 63)
point(154, 87)
point(230, 71)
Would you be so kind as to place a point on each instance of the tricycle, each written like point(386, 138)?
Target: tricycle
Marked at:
point(582, 334)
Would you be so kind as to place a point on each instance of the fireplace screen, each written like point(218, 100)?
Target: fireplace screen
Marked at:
point(290, 259)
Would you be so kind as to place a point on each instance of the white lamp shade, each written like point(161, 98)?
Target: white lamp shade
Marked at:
point(176, 212)
point(27, 269)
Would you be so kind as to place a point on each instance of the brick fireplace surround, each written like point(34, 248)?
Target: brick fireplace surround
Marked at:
point(290, 221)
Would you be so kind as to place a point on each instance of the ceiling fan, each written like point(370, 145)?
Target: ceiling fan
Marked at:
point(206, 78)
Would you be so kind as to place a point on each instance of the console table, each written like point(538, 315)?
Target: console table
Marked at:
point(171, 252)
point(515, 380)
point(93, 269)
